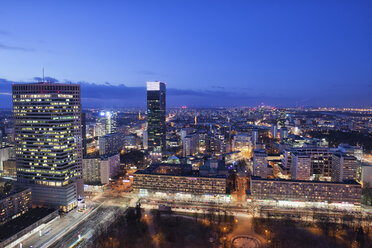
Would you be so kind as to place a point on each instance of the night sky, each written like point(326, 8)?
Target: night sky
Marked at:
point(210, 53)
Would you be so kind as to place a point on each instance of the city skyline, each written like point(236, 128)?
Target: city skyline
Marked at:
point(121, 96)
point(292, 54)
point(186, 124)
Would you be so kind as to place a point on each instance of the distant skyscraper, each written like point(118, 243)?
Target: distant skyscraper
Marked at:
point(274, 131)
point(48, 137)
point(254, 136)
point(283, 133)
point(106, 123)
point(190, 145)
point(145, 140)
point(156, 117)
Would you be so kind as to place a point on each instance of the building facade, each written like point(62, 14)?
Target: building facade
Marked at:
point(48, 136)
point(106, 123)
point(301, 166)
point(312, 191)
point(321, 159)
point(10, 168)
point(15, 204)
point(99, 170)
point(190, 144)
point(171, 178)
point(156, 111)
point(260, 165)
point(6, 153)
point(111, 143)
point(242, 142)
point(344, 167)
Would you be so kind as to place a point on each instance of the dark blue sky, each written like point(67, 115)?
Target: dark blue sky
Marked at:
point(210, 53)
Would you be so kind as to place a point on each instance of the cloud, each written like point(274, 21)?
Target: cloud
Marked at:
point(109, 95)
point(47, 79)
point(15, 48)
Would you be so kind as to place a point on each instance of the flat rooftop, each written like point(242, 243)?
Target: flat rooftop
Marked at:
point(184, 170)
point(349, 182)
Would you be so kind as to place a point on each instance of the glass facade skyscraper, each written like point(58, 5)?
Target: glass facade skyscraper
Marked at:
point(156, 118)
point(48, 139)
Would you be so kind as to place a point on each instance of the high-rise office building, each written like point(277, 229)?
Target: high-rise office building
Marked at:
point(274, 131)
point(145, 140)
point(344, 167)
point(111, 143)
point(190, 145)
point(47, 119)
point(106, 123)
point(301, 166)
point(260, 165)
point(283, 133)
point(99, 170)
point(255, 136)
point(156, 128)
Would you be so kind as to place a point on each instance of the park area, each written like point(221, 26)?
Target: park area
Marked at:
point(159, 229)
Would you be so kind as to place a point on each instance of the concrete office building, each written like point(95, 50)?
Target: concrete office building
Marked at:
point(15, 204)
point(111, 143)
point(344, 167)
point(307, 191)
point(99, 170)
point(242, 142)
point(301, 166)
point(190, 145)
point(283, 133)
point(274, 131)
point(171, 178)
point(355, 151)
point(9, 168)
point(7, 152)
point(145, 140)
point(48, 136)
point(260, 165)
point(255, 136)
point(321, 159)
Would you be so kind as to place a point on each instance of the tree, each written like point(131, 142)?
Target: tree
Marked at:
point(360, 237)
point(138, 212)
point(367, 194)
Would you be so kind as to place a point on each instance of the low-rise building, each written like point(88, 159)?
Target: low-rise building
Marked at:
point(99, 170)
point(312, 191)
point(14, 204)
point(171, 178)
point(355, 151)
point(9, 168)
point(6, 153)
point(242, 142)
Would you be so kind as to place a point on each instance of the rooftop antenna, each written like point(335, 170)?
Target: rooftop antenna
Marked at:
point(43, 75)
